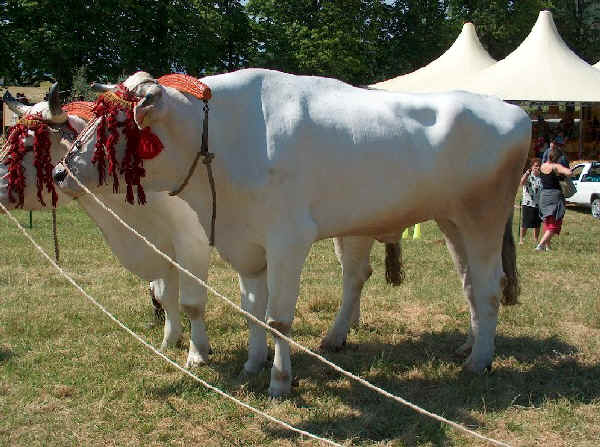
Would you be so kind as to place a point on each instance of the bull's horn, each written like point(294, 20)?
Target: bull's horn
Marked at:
point(19, 108)
point(102, 87)
point(54, 101)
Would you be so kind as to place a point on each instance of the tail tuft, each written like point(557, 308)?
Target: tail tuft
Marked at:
point(394, 272)
point(511, 286)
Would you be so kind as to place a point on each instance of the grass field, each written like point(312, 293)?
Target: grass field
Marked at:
point(69, 376)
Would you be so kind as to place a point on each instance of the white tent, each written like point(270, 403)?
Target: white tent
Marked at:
point(461, 61)
point(597, 65)
point(542, 68)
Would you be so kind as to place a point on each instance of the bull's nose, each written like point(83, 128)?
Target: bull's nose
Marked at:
point(60, 174)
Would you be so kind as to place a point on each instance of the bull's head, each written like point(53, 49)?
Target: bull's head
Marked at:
point(41, 137)
point(144, 116)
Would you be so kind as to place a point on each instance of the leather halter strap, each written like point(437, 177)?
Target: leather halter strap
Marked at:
point(207, 159)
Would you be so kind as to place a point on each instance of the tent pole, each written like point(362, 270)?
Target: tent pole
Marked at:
point(580, 130)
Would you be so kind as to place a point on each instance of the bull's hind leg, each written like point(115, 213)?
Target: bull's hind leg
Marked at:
point(476, 250)
point(353, 254)
point(166, 291)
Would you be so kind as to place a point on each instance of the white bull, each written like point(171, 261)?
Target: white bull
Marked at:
point(298, 159)
point(174, 228)
point(156, 221)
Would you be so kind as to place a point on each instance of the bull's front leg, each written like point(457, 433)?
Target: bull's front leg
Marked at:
point(193, 299)
point(286, 253)
point(253, 292)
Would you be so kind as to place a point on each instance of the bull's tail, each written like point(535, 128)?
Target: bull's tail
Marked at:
point(159, 312)
point(511, 287)
point(394, 272)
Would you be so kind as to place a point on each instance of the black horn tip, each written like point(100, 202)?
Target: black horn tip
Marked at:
point(54, 100)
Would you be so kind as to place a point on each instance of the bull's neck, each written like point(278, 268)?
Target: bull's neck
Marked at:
point(233, 110)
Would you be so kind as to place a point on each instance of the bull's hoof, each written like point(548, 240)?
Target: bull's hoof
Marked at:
point(281, 383)
point(171, 341)
point(196, 359)
point(279, 392)
point(332, 343)
point(464, 350)
point(246, 376)
point(480, 367)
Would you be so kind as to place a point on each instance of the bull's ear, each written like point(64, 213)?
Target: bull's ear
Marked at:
point(98, 87)
point(149, 103)
point(15, 106)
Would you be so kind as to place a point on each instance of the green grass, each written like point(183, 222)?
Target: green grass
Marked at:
point(69, 376)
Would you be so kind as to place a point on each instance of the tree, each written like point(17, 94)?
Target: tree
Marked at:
point(81, 90)
point(330, 38)
point(412, 34)
point(42, 39)
point(503, 24)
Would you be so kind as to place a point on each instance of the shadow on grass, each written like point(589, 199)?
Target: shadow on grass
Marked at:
point(5, 354)
point(579, 209)
point(527, 372)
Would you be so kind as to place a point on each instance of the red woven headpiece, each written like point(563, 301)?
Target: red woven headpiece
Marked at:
point(187, 84)
point(141, 144)
point(82, 109)
point(43, 164)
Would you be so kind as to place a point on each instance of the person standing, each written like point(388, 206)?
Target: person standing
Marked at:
point(552, 201)
point(556, 143)
point(532, 187)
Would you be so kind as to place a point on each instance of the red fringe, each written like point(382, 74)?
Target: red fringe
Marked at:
point(42, 161)
point(140, 144)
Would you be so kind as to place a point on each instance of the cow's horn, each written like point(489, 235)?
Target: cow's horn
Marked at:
point(54, 101)
point(102, 87)
point(14, 105)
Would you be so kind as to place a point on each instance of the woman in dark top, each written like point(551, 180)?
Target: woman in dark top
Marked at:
point(552, 201)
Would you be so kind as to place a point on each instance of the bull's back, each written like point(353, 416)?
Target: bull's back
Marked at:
point(399, 157)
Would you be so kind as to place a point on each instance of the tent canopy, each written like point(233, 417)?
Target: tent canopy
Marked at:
point(461, 61)
point(542, 68)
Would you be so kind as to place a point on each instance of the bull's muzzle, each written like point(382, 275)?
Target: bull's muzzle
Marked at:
point(60, 173)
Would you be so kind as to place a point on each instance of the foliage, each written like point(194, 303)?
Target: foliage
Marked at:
point(46, 39)
point(359, 41)
point(81, 90)
point(336, 38)
point(503, 24)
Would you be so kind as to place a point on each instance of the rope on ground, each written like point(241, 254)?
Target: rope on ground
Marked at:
point(281, 335)
point(55, 234)
point(156, 351)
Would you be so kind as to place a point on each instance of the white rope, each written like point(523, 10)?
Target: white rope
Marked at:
point(284, 337)
point(156, 351)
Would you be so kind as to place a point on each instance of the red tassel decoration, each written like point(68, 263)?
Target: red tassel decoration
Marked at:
point(42, 160)
point(150, 145)
point(141, 145)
